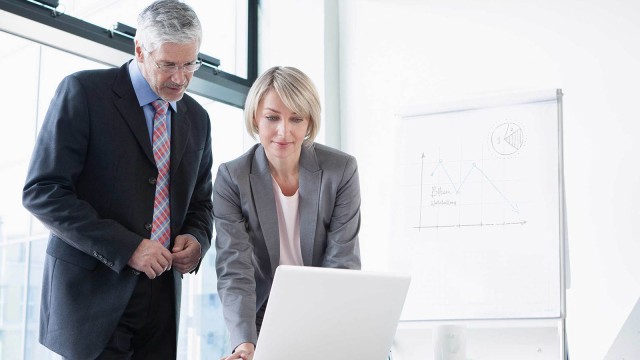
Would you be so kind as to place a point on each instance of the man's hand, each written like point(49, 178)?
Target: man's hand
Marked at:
point(186, 253)
point(151, 258)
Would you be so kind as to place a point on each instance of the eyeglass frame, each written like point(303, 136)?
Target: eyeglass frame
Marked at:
point(172, 69)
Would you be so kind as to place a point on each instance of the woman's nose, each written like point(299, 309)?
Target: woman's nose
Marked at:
point(282, 127)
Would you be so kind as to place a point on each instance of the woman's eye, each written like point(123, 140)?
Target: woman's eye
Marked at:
point(271, 118)
point(297, 120)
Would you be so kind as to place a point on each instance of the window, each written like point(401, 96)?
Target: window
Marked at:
point(23, 239)
point(87, 28)
point(78, 38)
point(224, 24)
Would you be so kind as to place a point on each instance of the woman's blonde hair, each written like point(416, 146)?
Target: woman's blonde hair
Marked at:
point(297, 91)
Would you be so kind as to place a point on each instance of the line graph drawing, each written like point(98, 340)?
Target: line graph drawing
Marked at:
point(444, 194)
point(475, 167)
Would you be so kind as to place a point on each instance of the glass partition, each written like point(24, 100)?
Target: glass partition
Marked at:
point(23, 239)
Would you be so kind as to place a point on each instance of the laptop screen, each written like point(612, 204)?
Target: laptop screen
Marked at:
point(319, 313)
point(627, 344)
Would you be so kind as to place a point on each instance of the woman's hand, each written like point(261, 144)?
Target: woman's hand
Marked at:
point(244, 351)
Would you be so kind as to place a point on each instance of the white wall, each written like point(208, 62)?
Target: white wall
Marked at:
point(399, 53)
point(291, 33)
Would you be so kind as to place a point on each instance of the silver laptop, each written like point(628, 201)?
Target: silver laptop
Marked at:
point(627, 344)
point(331, 314)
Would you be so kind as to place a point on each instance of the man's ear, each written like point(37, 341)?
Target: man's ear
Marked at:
point(139, 51)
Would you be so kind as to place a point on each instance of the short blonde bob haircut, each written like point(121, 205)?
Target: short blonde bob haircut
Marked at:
point(297, 91)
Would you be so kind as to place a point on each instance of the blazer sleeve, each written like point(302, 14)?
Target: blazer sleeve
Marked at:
point(236, 280)
point(50, 188)
point(343, 249)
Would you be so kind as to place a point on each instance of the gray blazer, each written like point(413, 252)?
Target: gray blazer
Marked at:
point(91, 181)
point(246, 221)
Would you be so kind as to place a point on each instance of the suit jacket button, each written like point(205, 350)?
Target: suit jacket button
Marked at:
point(152, 180)
point(148, 226)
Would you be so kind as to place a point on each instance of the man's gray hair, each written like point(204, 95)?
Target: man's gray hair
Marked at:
point(167, 21)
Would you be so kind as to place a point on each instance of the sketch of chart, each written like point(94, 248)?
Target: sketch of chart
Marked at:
point(472, 179)
point(449, 194)
point(507, 138)
point(477, 212)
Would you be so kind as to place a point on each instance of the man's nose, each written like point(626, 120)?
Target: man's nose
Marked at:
point(179, 76)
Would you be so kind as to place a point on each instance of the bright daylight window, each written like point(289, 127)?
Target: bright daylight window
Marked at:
point(23, 239)
point(224, 24)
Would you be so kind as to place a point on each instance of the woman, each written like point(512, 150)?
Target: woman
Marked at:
point(287, 201)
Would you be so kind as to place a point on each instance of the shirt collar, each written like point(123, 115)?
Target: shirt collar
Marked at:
point(141, 86)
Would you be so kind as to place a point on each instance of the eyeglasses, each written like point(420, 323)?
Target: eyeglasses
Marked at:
point(172, 69)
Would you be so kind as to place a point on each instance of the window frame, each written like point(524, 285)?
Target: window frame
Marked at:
point(208, 81)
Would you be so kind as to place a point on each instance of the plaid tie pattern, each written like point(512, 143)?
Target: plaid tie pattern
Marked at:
point(161, 151)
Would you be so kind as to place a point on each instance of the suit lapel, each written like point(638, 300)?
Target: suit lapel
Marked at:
point(310, 179)
point(180, 126)
point(264, 199)
point(131, 111)
point(134, 116)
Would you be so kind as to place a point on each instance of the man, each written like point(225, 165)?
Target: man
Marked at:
point(124, 185)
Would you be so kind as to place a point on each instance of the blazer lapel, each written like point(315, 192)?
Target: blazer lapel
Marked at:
point(262, 191)
point(131, 110)
point(180, 126)
point(310, 179)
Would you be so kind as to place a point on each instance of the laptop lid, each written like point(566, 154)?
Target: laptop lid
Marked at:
point(627, 344)
point(319, 314)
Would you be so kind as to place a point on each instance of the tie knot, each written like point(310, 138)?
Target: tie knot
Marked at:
point(160, 106)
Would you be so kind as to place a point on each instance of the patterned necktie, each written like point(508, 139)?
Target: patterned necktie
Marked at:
point(161, 150)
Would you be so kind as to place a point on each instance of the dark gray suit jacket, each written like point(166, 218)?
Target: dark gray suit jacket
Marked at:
point(247, 237)
point(91, 181)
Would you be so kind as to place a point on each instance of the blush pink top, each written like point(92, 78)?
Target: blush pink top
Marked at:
point(288, 226)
